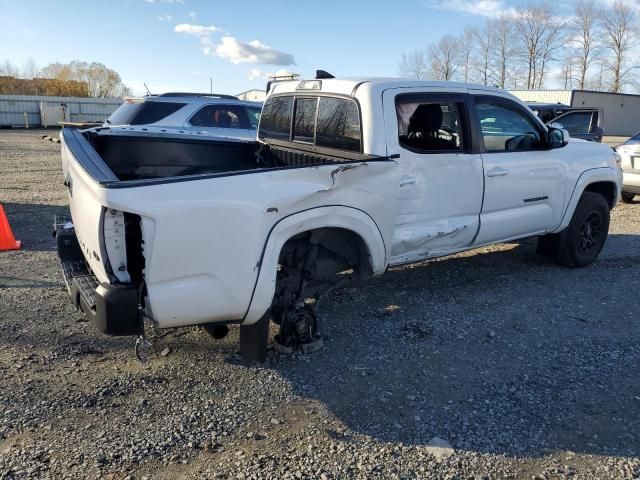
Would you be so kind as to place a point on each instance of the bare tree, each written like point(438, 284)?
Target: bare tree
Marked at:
point(444, 58)
point(586, 36)
point(9, 69)
point(539, 32)
point(467, 45)
point(505, 50)
point(619, 36)
point(30, 69)
point(567, 74)
point(413, 65)
point(552, 42)
point(101, 81)
point(485, 40)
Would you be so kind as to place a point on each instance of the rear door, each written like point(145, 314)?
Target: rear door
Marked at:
point(223, 120)
point(441, 177)
point(524, 180)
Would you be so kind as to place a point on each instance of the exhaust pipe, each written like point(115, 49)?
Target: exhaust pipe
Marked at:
point(216, 331)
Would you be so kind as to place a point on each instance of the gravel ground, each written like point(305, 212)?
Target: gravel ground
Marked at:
point(519, 369)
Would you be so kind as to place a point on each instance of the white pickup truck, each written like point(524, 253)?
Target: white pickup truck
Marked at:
point(347, 177)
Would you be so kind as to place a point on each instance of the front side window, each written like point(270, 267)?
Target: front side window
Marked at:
point(507, 128)
point(576, 123)
point(275, 121)
point(254, 116)
point(220, 116)
point(338, 124)
point(430, 126)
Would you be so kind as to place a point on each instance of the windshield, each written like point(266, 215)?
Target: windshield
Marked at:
point(254, 116)
point(633, 140)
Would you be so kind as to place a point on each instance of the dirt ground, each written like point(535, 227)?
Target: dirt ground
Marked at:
point(522, 368)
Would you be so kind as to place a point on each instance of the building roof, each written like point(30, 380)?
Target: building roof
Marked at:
point(252, 90)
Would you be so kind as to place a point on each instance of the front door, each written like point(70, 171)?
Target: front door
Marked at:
point(524, 180)
point(584, 124)
point(440, 172)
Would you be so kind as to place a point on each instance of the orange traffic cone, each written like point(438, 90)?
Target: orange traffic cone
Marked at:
point(7, 240)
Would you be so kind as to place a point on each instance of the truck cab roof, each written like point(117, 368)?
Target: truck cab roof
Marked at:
point(349, 85)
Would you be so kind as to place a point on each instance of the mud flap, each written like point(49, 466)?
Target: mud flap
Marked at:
point(254, 339)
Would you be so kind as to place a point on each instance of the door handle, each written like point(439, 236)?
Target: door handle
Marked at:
point(407, 180)
point(497, 172)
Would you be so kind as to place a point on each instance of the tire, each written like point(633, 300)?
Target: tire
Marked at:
point(628, 197)
point(581, 242)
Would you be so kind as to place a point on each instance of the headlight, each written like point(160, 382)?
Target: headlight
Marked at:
point(618, 159)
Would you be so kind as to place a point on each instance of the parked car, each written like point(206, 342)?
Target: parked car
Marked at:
point(219, 115)
point(348, 178)
point(584, 123)
point(630, 155)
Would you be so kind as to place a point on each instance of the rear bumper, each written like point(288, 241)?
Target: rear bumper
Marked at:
point(631, 182)
point(113, 309)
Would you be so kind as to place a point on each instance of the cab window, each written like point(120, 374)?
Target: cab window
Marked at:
point(506, 127)
point(431, 125)
point(323, 121)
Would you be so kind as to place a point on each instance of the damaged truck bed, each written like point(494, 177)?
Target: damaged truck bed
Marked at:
point(346, 178)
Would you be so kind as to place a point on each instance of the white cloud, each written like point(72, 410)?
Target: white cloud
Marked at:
point(237, 51)
point(198, 30)
point(165, 18)
point(483, 8)
point(254, 74)
point(192, 15)
point(232, 49)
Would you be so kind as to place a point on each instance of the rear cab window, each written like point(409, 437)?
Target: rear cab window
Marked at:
point(322, 121)
point(275, 122)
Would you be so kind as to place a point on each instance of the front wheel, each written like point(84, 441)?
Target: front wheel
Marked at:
point(628, 197)
point(582, 241)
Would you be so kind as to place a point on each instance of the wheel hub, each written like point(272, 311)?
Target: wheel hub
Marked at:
point(590, 233)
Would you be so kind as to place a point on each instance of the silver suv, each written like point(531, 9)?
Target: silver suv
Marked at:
point(219, 115)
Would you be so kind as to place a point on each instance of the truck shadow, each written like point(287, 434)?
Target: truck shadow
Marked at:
point(495, 351)
point(32, 223)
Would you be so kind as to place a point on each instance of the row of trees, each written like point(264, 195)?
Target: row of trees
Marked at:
point(96, 79)
point(590, 49)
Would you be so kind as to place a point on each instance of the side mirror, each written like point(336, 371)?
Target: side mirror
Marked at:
point(558, 137)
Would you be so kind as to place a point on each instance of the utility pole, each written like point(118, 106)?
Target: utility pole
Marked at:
point(211, 85)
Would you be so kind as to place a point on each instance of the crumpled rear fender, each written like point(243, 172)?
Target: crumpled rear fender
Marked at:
point(348, 218)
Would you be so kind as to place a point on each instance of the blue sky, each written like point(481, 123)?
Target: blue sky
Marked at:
point(180, 44)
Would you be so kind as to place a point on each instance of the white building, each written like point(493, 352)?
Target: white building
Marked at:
point(254, 95)
point(621, 110)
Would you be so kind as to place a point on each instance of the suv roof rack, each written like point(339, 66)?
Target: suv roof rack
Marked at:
point(188, 94)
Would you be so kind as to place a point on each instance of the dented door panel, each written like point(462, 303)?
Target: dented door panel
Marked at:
point(440, 194)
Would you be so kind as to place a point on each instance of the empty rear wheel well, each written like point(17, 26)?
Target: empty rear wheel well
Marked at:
point(606, 189)
point(345, 246)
